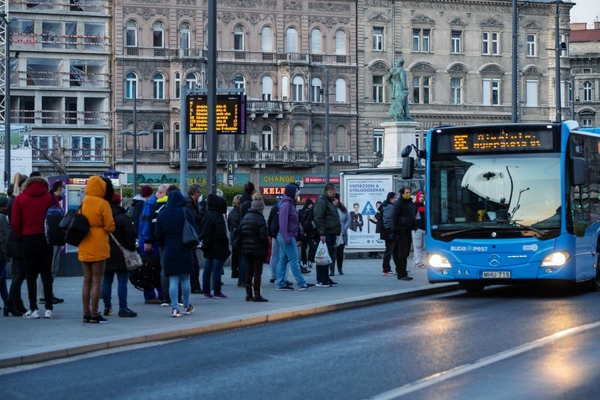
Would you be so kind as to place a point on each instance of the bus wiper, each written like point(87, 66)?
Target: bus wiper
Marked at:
point(536, 230)
point(458, 231)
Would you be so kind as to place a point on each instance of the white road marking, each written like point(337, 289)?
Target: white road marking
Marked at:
point(462, 369)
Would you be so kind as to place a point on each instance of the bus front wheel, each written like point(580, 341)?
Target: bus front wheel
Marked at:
point(472, 287)
point(595, 283)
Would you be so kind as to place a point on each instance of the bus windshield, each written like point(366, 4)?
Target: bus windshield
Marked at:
point(518, 192)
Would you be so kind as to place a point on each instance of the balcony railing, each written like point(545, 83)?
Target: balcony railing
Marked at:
point(234, 55)
point(307, 158)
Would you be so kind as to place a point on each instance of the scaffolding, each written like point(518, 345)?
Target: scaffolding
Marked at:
point(4, 68)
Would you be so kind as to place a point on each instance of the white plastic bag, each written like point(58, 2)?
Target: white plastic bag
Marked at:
point(322, 256)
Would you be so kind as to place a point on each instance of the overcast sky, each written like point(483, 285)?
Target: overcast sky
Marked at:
point(586, 11)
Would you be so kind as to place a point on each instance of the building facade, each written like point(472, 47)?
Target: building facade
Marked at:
point(585, 74)
point(84, 74)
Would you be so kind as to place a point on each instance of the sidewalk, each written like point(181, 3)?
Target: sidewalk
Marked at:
point(27, 341)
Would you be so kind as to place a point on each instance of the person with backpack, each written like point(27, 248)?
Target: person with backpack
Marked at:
point(115, 264)
point(27, 219)
point(387, 234)
point(54, 235)
point(137, 205)
point(192, 204)
point(215, 246)
point(148, 246)
point(94, 249)
point(255, 246)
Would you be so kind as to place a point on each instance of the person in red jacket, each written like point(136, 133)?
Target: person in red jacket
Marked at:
point(27, 219)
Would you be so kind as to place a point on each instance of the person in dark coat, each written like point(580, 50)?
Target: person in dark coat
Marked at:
point(255, 246)
point(217, 251)
point(233, 222)
point(193, 204)
point(115, 264)
point(245, 203)
point(178, 260)
point(403, 223)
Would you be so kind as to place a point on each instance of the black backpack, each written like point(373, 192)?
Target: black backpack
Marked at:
point(148, 275)
point(205, 231)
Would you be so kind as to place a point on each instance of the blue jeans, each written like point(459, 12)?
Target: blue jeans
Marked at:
point(288, 253)
point(214, 266)
point(275, 260)
point(122, 279)
point(174, 281)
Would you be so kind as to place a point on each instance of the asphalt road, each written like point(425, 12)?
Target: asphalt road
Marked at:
point(507, 343)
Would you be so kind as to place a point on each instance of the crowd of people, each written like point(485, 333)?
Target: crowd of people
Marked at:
point(286, 240)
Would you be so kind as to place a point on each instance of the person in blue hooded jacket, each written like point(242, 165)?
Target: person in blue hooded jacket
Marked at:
point(178, 260)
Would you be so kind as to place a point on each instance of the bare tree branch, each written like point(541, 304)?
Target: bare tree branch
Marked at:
point(56, 156)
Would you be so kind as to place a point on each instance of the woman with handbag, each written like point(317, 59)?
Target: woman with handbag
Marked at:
point(177, 258)
point(125, 236)
point(342, 239)
point(94, 249)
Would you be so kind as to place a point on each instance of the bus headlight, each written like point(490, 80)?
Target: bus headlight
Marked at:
point(438, 261)
point(557, 259)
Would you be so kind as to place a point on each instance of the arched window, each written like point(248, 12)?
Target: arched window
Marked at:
point(267, 138)
point(131, 31)
point(317, 139)
point(298, 138)
point(177, 85)
point(158, 35)
point(266, 41)
point(340, 138)
point(298, 89)
point(191, 80)
point(315, 90)
point(131, 86)
point(340, 90)
point(587, 91)
point(340, 42)
point(184, 39)
point(158, 91)
point(239, 82)
point(316, 46)
point(176, 143)
point(238, 38)
point(291, 40)
point(158, 137)
point(267, 88)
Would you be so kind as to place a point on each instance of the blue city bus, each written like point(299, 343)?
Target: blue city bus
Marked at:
point(512, 203)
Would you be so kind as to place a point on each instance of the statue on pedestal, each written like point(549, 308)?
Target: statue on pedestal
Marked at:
point(396, 78)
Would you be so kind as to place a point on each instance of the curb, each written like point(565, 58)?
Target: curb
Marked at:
point(227, 324)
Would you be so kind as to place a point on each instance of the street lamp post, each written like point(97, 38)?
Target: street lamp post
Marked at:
point(135, 135)
point(326, 94)
point(6, 101)
point(557, 60)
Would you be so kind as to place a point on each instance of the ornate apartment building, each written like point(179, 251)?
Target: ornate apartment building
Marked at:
point(585, 74)
point(83, 70)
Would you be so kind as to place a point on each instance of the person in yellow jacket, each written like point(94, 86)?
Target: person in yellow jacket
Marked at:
point(94, 250)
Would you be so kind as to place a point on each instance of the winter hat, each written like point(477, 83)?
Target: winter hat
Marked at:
point(146, 191)
point(290, 190)
point(249, 187)
point(257, 203)
point(308, 202)
point(116, 199)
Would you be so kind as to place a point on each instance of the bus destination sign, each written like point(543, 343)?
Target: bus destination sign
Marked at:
point(231, 114)
point(489, 142)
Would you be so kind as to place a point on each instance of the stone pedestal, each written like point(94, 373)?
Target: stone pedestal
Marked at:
point(396, 136)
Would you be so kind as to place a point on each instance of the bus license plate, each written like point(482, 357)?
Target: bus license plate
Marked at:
point(496, 274)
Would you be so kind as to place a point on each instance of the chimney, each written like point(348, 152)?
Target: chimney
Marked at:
point(596, 24)
point(579, 26)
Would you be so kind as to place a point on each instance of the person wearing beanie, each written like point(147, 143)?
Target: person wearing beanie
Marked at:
point(137, 205)
point(115, 264)
point(286, 237)
point(419, 233)
point(255, 247)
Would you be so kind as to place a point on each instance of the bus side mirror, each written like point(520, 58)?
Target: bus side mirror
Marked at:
point(408, 167)
point(577, 171)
